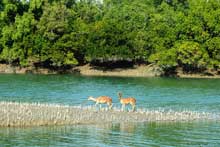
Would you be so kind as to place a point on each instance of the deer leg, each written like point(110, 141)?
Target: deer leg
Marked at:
point(109, 106)
point(96, 104)
point(133, 108)
point(123, 107)
point(100, 106)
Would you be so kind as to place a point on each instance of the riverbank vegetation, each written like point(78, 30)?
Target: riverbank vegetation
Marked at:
point(172, 34)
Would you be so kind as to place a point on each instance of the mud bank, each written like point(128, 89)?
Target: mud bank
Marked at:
point(13, 114)
point(136, 71)
point(9, 69)
point(87, 70)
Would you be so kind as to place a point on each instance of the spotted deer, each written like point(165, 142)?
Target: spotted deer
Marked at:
point(126, 101)
point(102, 100)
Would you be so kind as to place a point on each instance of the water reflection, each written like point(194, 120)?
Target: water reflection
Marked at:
point(120, 134)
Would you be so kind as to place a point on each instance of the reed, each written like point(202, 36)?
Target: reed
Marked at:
point(38, 114)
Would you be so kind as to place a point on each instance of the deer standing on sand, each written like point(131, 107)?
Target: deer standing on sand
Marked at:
point(126, 101)
point(102, 100)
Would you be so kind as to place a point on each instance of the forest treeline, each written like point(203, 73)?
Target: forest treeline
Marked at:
point(168, 33)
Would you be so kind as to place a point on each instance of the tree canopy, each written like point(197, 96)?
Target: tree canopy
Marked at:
point(169, 33)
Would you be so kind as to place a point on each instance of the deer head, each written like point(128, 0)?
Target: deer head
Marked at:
point(91, 98)
point(119, 95)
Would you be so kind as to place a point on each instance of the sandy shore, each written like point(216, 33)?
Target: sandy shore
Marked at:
point(136, 71)
point(13, 114)
point(200, 76)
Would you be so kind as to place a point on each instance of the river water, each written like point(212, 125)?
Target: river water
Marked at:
point(196, 95)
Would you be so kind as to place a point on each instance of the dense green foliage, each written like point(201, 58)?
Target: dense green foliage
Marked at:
point(169, 33)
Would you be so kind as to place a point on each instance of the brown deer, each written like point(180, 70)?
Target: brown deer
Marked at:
point(102, 100)
point(126, 101)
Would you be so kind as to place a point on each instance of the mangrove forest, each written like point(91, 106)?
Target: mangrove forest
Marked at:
point(59, 33)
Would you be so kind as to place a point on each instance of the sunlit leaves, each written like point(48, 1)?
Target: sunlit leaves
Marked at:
point(191, 53)
point(213, 47)
point(170, 33)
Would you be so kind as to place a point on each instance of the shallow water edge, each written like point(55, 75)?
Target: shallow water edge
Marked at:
point(15, 114)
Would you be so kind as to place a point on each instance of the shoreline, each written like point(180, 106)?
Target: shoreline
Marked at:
point(136, 71)
point(16, 114)
point(87, 70)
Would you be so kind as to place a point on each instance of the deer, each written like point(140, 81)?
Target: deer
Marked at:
point(102, 100)
point(126, 101)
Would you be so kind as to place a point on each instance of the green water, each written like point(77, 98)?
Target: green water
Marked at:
point(202, 95)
